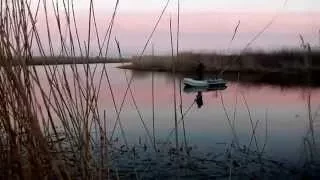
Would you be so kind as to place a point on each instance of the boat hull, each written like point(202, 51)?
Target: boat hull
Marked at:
point(194, 89)
point(204, 83)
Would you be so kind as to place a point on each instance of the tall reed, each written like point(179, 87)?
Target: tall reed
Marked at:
point(48, 114)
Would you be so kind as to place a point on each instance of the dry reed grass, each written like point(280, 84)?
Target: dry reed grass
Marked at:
point(50, 124)
point(277, 61)
point(31, 144)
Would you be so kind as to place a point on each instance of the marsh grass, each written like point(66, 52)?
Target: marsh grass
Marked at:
point(50, 121)
point(263, 62)
point(46, 127)
point(61, 60)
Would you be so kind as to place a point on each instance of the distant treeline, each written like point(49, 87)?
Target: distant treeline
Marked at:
point(276, 61)
point(50, 60)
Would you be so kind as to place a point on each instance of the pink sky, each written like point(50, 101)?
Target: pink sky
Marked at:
point(200, 31)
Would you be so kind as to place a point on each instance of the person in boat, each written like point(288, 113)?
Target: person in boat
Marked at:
point(199, 70)
point(199, 100)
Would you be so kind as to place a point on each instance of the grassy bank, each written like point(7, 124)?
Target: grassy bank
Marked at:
point(277, 61)
point(59, 60)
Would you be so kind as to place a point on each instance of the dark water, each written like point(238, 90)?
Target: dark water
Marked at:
point(279, 116)
point(284, 109)
point(236, 130)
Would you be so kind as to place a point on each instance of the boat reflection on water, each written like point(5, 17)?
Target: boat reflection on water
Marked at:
point(194, 89)
point(199, 100)
point(199, 90)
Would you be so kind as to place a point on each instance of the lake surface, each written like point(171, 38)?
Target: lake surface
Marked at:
point(278, 115)
point(283, 110)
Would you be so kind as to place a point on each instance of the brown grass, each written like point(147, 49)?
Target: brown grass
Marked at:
point(279, 61)
point(62, 60)
point(31, 144)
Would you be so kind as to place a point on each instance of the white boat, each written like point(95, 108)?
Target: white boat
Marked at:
point(204, 83)
point(193, 89)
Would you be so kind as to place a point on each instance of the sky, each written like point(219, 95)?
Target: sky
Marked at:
point(134, 6)
point(205, 25)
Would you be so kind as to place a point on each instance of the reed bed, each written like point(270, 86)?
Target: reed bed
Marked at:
point(51, 122)
point(261, 62)
point(48, 114)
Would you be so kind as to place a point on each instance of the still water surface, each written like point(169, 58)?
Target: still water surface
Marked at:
point(285, 121)
point(279, 114)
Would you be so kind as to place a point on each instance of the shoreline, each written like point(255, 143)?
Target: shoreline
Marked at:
point(38, 61)
point(286, 61)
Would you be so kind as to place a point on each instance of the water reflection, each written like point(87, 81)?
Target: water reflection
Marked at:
point(207, 125)
point(199, 100)
point(200, 90)
point(217, 135)
point(276, 79)
point(192, 89)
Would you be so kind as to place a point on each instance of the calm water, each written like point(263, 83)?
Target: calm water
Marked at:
point(279, 115)
point(283, 111)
